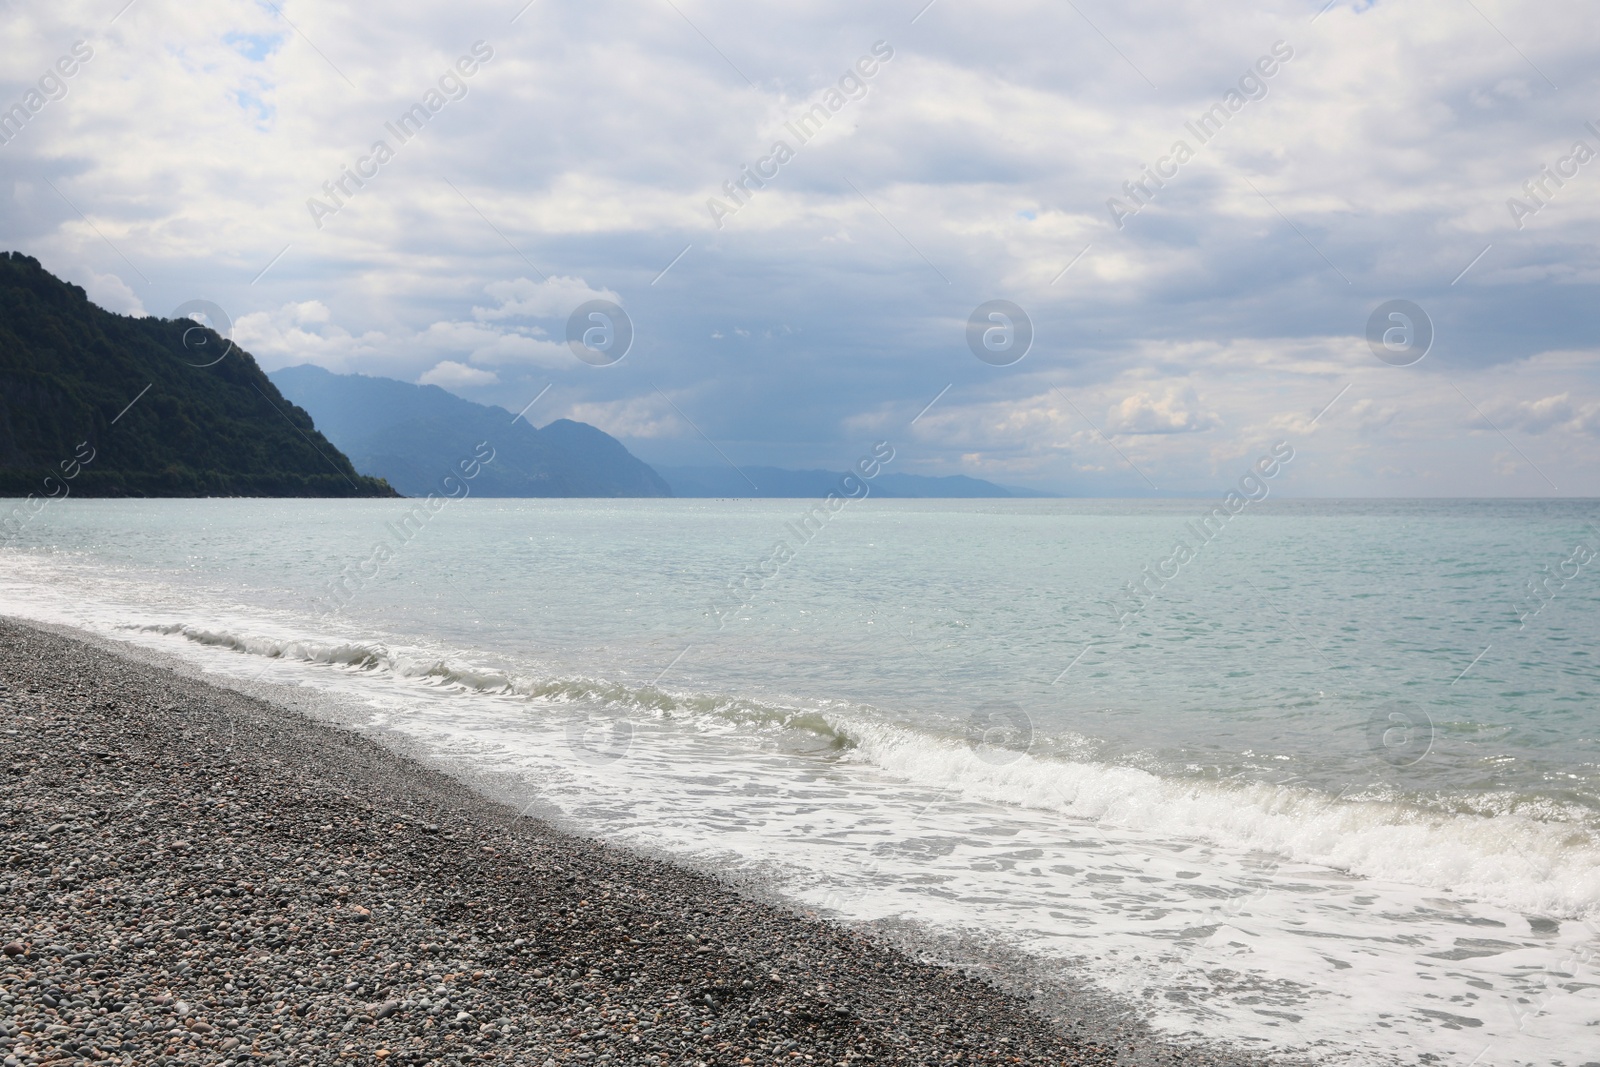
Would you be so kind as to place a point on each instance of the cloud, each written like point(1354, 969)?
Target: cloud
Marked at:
point(554, 297)
point(1549, 414)
point(1176, 409)
point(449, 374)
point(489, 345)
point(1230, 310)
point(637, 418)
point(113, 294)
point(304, 333)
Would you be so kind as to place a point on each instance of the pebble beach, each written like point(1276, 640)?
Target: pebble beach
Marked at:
point(191, 875)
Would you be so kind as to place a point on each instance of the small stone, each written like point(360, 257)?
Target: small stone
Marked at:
point(259, 917)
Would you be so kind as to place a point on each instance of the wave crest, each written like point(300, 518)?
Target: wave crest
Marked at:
point(1536, 866)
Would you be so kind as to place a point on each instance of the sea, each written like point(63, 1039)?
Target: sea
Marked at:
point(1324, 784)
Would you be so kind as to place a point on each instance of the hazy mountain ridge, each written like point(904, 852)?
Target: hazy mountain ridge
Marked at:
point(413, 435)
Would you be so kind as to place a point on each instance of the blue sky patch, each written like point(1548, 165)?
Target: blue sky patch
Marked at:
point(253, 46)
point(262, 111)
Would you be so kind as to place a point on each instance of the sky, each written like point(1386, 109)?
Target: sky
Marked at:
point(1202, 214)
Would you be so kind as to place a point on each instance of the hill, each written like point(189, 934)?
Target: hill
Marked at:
point(121, 405)
point(778, 482)
point(412, 434)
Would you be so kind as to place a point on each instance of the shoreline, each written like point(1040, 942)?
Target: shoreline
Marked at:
point(173, 844)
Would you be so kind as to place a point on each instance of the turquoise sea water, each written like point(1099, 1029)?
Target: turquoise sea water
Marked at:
point(1332, 782)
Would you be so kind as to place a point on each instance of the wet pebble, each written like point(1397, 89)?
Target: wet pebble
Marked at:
point(241, 884)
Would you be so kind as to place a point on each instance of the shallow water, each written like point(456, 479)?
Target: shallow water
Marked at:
point(1335, 786)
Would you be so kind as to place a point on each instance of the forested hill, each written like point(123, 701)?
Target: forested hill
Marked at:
point(69, 372)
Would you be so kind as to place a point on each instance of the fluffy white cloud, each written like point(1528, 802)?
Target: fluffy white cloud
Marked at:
point(552, 298)
point(635, 418)
point(449, 374)
point(1551, 413)
point(304, 333)
point(113, 294)
point(1174, 409)
point(489, 345)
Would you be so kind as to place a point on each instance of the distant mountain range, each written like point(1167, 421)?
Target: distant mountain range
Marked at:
point(415, 435)
point(97, 404)
point(777, 482)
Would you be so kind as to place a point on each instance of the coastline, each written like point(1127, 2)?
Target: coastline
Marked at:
point(307, 895)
